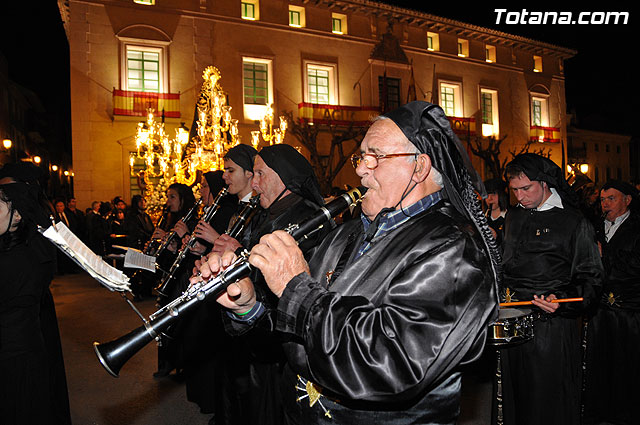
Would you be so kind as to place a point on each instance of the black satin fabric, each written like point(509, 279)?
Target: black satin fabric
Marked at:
point(262, 401)
point(613, 341)
point(548, 252)
point(383, 341)
point(551, 252)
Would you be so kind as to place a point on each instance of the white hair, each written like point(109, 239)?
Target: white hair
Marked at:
point(436, 176)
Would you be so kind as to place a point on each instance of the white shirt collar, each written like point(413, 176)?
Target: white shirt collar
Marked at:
point(553, 201)
point(247, 197)
point(620, 218)
point(610, 227)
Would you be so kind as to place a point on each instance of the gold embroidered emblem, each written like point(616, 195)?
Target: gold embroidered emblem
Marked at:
point(611, 299)
point(509, 296)
point(329, 274)
point(313, 392)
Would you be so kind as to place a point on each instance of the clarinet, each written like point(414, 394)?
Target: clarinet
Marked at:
point(154, 244)
point(244, 217)
point(182, 254)
point(113, 355)
point(169, 237)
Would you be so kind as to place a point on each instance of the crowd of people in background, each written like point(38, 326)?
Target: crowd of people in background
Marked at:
point(579, 245)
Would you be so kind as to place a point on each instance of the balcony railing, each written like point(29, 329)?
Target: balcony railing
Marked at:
point(359, 116)
point(463, 126)
point(136, 103)
point(544, 134)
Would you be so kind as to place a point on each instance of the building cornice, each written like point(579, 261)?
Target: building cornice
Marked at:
point(446, 25)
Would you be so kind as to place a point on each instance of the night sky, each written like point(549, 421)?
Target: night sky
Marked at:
point(601, 83)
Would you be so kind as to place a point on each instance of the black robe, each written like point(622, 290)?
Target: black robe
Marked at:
point(33, 386)
point(548, 252)
point(613, 341)
point(266, 358)
point(383, 342)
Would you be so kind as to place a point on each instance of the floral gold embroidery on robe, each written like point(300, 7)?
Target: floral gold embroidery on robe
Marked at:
point(313, 392)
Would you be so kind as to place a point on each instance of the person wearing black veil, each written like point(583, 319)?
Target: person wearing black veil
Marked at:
point(549, 252)
point(33, 387)
point(378, 321)
point(497, 201)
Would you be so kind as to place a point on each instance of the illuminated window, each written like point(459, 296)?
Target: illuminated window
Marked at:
point(249, 9)
point(257, 80)
point(433, 42)
point(489, 109)
point(539, 112)
point(537, 63)
point(338, 23)
point(143, 68)
point(145, 2)
point(463, 48)
point(451, 99)
point(320, 86)
point(143, 65)
point(490, 53)
point(256, 83)
point(296, 16)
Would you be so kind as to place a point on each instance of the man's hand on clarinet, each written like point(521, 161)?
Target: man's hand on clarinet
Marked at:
point(225, 243)
point(240, 296)
point(279, 259)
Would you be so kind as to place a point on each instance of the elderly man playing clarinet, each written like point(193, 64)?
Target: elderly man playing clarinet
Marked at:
point(390, 304)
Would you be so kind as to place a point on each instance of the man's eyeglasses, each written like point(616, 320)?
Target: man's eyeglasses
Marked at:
point(371, 159)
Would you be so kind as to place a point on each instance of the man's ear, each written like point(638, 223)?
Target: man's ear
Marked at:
point(423, 168)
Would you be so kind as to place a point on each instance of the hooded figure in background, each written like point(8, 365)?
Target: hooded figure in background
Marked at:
point(549, 253)
point(613, 342)
point(376, 323)
point(33, 386)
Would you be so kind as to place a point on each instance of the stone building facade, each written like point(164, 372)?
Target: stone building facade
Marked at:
point(329, 57)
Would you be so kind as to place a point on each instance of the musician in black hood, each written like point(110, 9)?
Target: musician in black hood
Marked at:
point(289, 191)
point(377, 323)
point(549, 252)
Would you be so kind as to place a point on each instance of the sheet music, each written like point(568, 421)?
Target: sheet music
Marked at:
point(110, 277)
point(136, 259)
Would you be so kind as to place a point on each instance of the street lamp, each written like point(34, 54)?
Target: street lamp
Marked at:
point(54, 168)
point(7, 144)
point(37, 159)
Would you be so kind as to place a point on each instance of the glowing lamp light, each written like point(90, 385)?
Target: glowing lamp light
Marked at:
point(37, 159)
point(54, 168)
point(584, 168)
point(7, 143)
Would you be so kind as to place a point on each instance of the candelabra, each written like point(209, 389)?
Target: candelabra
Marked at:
point(268, 133)
point(217, 130)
